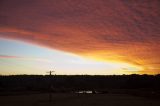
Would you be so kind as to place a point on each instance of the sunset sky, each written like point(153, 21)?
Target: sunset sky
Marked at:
point(80, 36)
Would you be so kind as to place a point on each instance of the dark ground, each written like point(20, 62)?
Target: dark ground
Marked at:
point(70, 99)
point(111, 90)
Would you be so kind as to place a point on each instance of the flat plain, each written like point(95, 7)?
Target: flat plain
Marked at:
point(71, 99)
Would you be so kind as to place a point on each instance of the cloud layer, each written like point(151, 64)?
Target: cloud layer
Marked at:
point(103, 29)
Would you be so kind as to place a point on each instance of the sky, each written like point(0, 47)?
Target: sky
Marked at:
point(80, 36)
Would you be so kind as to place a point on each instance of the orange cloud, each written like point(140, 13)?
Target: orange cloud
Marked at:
point(103, 30)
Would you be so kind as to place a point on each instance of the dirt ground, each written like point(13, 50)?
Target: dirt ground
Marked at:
point(77, 100)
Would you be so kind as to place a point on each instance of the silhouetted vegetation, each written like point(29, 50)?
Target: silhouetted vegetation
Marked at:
point(134, 84)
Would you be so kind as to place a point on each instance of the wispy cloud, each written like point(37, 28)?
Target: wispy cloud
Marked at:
point(25, 58)
point(6, 56)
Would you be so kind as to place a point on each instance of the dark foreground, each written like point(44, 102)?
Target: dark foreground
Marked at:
point(66, 99)
point(112, 90)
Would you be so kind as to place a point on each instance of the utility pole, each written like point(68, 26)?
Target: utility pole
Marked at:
point(50, 72)
point(50, 85)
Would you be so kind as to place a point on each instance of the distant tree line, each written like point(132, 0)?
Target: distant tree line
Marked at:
point(70, 83)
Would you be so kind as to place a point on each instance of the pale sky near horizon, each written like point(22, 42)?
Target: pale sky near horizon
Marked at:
point(17, 57)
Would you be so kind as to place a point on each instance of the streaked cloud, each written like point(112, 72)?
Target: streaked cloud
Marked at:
point(6, 56)
point(24, 58)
